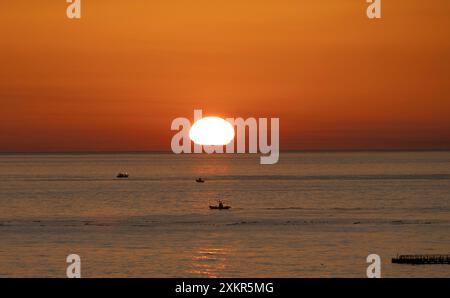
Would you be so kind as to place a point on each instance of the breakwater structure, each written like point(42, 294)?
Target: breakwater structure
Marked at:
point(421, 259)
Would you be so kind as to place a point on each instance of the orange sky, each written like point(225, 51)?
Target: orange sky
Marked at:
point(115, 79)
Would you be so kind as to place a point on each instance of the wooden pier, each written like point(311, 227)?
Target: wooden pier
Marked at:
point(421, 259)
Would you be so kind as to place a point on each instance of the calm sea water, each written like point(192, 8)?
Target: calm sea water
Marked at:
point(310, 215)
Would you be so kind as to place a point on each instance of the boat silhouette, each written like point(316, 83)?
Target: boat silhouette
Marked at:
point(221, 206)
point(122, 175)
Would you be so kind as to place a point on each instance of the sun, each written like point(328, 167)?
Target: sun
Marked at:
point(211, 131)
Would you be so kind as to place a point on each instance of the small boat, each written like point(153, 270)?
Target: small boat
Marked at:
point(221, 206)
point(122, 175)
point(200, 180)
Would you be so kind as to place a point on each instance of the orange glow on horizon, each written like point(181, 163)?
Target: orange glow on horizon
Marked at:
point(115, 79)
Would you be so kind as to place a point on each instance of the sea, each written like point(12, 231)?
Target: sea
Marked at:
point(313, 214)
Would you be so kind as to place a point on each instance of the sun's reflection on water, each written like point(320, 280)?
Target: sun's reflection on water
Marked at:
point(209, 261)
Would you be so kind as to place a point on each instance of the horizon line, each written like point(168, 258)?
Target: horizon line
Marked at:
point(170, 152)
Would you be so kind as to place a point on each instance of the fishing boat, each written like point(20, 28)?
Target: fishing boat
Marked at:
point(122, 175)
point(200, 180)
point(221, 206)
